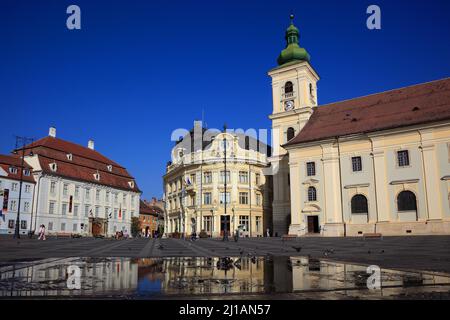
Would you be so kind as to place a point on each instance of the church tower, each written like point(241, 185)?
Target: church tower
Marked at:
point(294, 93)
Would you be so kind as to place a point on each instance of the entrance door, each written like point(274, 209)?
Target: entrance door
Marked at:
point(96, 229)
point(313, 224)
point(224, 221)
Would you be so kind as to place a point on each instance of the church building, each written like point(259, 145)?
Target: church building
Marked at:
point(373, 164)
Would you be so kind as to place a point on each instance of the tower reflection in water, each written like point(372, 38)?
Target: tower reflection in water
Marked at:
point(111, 277)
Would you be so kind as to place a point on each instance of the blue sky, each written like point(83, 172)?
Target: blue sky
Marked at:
point(139, 69)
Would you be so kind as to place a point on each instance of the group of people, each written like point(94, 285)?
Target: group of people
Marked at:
point(121, 235)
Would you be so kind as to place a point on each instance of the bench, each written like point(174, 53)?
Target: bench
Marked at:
point(288, 237)
point(373, 236)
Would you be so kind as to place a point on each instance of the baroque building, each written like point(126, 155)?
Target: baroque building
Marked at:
point(374, 164)
point(78, 190)
point(201, 195)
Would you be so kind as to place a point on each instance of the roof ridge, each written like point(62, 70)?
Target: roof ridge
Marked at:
point(383, 92)
point(39, 143)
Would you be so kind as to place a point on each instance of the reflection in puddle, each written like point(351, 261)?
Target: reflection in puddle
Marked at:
point(178, 276)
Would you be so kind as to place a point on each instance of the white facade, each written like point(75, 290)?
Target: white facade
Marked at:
point(52, 203)
point(8, 218)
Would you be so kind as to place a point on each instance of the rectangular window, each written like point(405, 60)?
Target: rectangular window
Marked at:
point(23, 224)
point(14, 186)
point(192, 178)
point(225, 176)
point(258, 199)
point(52, 187)
point(107, 196)
point(86, 211)
point(115, 213)
point(224, 197)
point(65, 189)
point(124, 213)
point(64, 209)
point(258, 224)
point(116, 198)
point(356, 164)
point(243, 221)
point(207, 177)
point(97, 212)
point(207, 223)
point(50, 226)
point(75, 210)
point(257, 179)
point(63, 226)
point(75, 227)
point(51, 208)
point(132, 201)
point(310, 169)
point(97, 195)
point(13, 205)
point(193, 200)
point(27, 188)
point(243, 197)
point(88, 194)
point(243, 177)
point(207, 198)
point(77, 191)
point(26, 206)
point(11, 224)
point(403, 158)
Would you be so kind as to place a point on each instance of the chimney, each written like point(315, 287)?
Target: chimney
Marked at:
point(52, 132)
point(91, 144)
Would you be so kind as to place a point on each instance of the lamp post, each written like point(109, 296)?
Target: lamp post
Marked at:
point(225, 231)
point(23, 141)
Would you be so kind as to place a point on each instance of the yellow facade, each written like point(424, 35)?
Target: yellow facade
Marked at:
point(194, 188)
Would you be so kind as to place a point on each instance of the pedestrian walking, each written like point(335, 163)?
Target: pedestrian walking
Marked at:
point(42, 232)
point(268, 232)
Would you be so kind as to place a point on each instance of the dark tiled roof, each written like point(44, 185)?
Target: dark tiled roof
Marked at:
point(84, 164)
point(7, 161)
point(418, 104)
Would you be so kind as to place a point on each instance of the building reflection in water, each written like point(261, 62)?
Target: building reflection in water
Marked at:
point(200, 276)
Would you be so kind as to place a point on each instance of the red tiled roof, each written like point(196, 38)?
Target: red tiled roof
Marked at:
point(149, 209)
point(7, 161)
point(84, 164)
point(418, 104)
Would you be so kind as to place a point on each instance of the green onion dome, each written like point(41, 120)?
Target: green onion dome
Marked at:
point(292, 52)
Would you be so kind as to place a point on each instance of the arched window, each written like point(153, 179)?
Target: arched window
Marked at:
point(406, 201)
point(312, 194)
point(359, 204)
point(290, 133)
point(288, 87)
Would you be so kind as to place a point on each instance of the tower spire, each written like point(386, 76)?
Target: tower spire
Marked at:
point(292, 52)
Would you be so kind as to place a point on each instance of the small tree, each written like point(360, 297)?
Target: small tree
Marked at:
point(135, 226)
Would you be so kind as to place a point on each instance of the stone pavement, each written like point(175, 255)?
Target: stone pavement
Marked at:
point(427, 253)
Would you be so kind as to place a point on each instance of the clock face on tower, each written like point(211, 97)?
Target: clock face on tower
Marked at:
point(289, 105)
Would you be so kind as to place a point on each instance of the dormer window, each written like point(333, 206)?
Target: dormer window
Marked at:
point(69, 156)
point(13, 170)
point(53, 166)
point(131, 184)
point(109, 167)
point(26, 172)
point(97, 176)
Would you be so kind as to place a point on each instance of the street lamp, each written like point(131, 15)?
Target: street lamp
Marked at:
point(23, 141)
point(225, 231)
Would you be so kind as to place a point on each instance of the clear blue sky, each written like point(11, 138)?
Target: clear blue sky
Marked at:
point(139, 69)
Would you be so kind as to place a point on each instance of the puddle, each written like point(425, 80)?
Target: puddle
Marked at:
point(182, 276)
